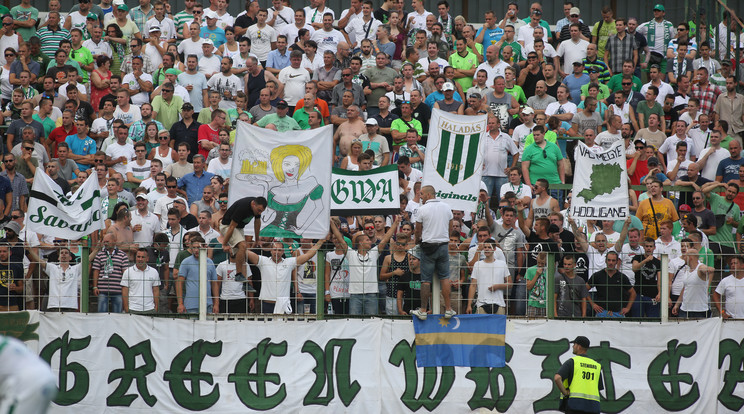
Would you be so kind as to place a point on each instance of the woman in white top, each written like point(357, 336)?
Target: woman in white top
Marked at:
point(230, 48)
point(163, 152)
point(173, 49)
point(693, 300)
point(6, 88)
point(351, 161)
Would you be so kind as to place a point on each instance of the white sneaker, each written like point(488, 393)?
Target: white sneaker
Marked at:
point(449, 313)
point(419, 314)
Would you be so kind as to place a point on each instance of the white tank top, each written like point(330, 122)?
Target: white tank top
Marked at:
point(695, 296)
point(167, 160)
point(350, 166)
point(230, 53)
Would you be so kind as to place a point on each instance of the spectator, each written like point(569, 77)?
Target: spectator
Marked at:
point(655, 209)
point(730, 289)
point(187, 283)
point(570, 291)
point(693, 300)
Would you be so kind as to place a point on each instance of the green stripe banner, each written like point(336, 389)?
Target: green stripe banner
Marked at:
point(454, 159)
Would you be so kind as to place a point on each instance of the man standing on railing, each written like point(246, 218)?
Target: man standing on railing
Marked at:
point(234, 221)
point(432, 233)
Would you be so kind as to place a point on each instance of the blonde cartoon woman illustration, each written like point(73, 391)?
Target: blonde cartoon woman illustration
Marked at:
point(294, 202)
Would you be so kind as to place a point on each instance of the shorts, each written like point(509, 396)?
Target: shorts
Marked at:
point(236, 238)
point(434, 258)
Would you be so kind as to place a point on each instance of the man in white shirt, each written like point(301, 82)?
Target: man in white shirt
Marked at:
point(654, 73)
point(294, 78)
point(140, 286)
point(205, 228)
point(497, 145)
point(571, 51)
point(712, 156)
point(731, 290)
point(291, 30)
point(263, 37)
point(432, 233)
point(119, 153)
point(209, 63)
point(432, 56)
point(328, 38)
point(226, 84)
point(144, 223)
point(97, 45)
point(669, 147)
point(493, 65)
point(157, 192)
point(364, 27)
point(280, 16)
point(138, 83)
point(193, 45)
point(222, 165)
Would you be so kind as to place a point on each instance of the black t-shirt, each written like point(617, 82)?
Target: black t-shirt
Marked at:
point(246, 21)
point(188, 134)
point(422, 113)
point(410, 285)
point(647, 276)
point(240, 212)
point(705, 219)
point(189, 222)
point(685, 197)
point(538, 245)
point(568, 240)
point(85, 110)
point(10, 273)
point(581, 269)
point(610, 290)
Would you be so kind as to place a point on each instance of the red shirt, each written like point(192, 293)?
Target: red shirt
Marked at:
point(59, 134)
point(207, 133)
point(640, 171)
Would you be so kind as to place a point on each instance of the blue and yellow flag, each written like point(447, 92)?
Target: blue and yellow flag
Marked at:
point(461, 341)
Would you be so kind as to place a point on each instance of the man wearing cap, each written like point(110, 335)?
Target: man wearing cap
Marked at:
point(376, 142)
point(129, 29)
point(141, 14)
point(574, 16)
point(209, 63)
point(579, 380)
point(449, 104)
point(279, 121)
point(572, 51)
point(658, 33)
point(161, 21)
point(524, 35)
point(211, 31)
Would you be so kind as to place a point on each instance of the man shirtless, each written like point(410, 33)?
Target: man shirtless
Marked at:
point(122, 230)
point(351, 129)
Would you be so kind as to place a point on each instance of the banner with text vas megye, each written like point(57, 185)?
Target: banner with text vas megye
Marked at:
point(293, 171)
point(51, 211)
point(367, 192)
point(600, 188)
point(454, 158)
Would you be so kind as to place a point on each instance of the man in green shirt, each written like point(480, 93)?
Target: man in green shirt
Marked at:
point(45, 109)
point(615, 83)
point(648, 107)
point(81, 54)
point(279, 121)
point(728, 217)
point(166, 106)
point(464, 63)
point(24, 19)
point(302, 115)
point(400, 126)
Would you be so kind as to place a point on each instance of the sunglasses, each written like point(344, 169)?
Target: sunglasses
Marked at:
point(28, 148)
point(221, 202)
point(15, 217)
point(369, 227)
point(574, 15)
point(545, 154)
point(9, 55)
point(163, 137)
point(8, 160)
point(167, 90)
point(626, 84)
point(170, 186)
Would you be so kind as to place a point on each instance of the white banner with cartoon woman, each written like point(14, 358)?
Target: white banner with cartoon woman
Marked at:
point(293, 171)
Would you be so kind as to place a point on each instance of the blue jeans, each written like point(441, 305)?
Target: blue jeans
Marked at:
point(436, 261)
point(196, 310)
point(363, 304)
point(493, 185)
point(643, 306)
point(558, 195)
point(104, 299)
point(307, 299)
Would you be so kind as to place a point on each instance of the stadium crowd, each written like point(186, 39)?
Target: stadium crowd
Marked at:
point(148, 100)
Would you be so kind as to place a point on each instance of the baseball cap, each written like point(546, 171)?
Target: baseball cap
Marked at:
point(210, 14)
point(371, 121)
point(154, 28)
point(187, 107)
point(415, 252)
point(282, 104)
point(92, 16)
point(652, 161)
point(207, 42)
point(141, 195)
point(528, 110)
point(659, 7)
point(574, 10)
point(686, 208)
point(582, 341)
point(578, 63)
point(172, 71)
point(448, 86)
point(483, 187)
point(641, 140)
point(123, 7)
point(725, 62)
point(554, 229)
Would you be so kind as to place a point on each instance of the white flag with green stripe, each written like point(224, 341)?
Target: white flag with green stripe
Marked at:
point(454, 159)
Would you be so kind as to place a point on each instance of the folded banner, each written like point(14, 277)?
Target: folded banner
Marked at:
point(370, 192)
point(50, 211)
point(461, 341)
point(293, 171)
point(454, 158)
point(600, 188)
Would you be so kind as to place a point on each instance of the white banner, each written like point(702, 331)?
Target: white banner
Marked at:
point(50, 211)
point(600, 187)
point(365, 192)
point(138, 364)
point(454, 158)
point(293, 171)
